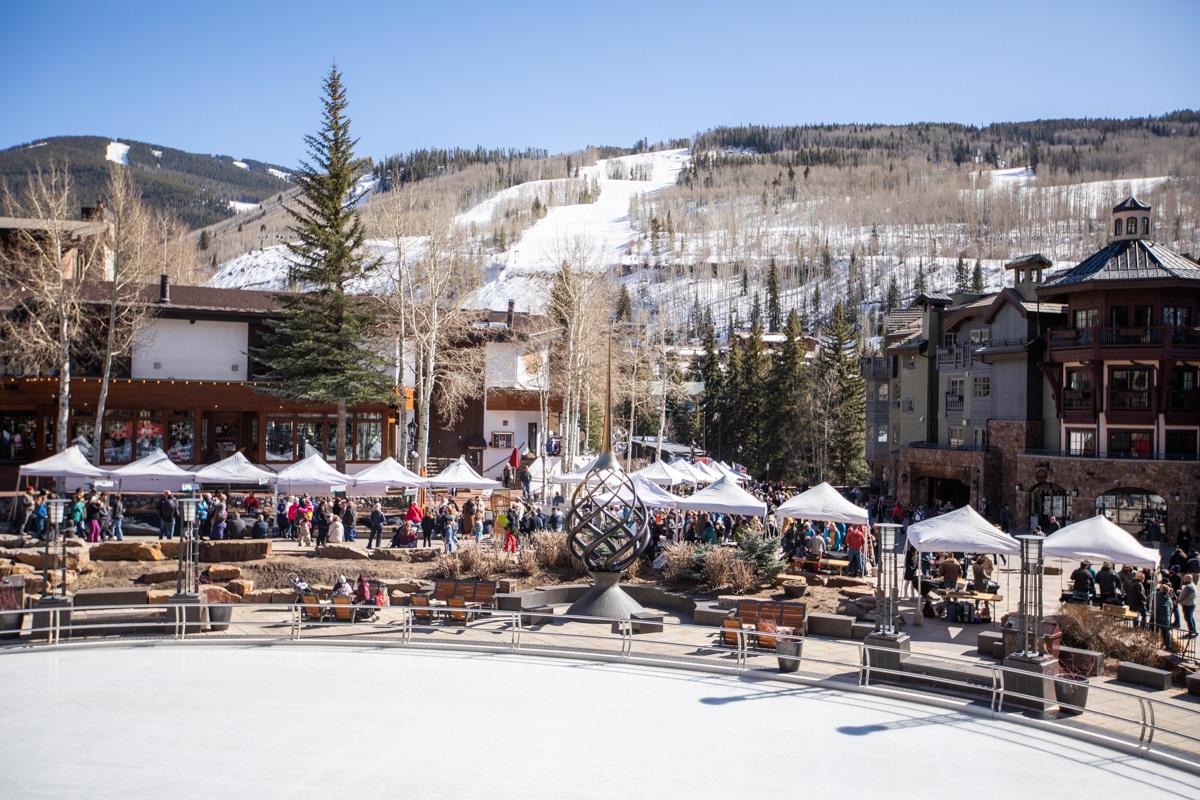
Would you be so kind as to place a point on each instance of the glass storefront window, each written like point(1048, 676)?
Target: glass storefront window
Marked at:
point(369, 444)
point(149, 437)
point(331, 442)
point(280, 437)
point(83, 435)
point(182, 443)
point(118, 441)
point(17, 436)
point(311, 438)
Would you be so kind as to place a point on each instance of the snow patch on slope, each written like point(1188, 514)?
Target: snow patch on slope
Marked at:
point(242, 208)
point(117, 153)
point(241, 165)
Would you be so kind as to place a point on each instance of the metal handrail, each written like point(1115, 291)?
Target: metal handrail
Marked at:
point(396, 625)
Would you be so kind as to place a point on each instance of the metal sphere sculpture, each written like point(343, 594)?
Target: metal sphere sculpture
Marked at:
point(608, 522)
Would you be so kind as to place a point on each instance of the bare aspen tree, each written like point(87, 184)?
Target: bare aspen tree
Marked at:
point(52, 259)
point(132, 240)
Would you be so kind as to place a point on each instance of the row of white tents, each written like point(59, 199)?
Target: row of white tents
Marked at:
point(155, 472)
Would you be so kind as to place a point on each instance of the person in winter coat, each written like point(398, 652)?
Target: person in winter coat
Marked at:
point(321, 522)
point(1109, 584)
point(1135, 596)
point(1187, 602)
point(1164, 598)
point(376, 521)
point(350, 522)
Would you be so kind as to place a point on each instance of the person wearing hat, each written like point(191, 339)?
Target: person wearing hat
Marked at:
point(1109, 584)
point(1083, 585)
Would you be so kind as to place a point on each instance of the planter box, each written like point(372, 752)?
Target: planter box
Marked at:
point(11, 622)
point(1071, 693)
point(219, 617)
point(788, 653)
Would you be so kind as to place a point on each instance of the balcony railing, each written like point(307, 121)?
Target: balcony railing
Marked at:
point(1118, 398)
point(1116, 454)
point(1076, 400)
point(954, 402)
point(974, 448)
point(876, 366)
point(1154, 336)
point(1184, 400)
point(959, 356)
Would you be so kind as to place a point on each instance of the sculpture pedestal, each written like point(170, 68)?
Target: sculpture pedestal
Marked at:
point(1034, 677)
point(886, 651)
point(605, 600)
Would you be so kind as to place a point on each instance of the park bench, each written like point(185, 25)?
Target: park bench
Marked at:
point(313, 609)
point(767, 617)
point(479, 594)
point(836, 565)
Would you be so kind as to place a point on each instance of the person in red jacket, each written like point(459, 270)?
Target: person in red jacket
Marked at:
point(856, 540)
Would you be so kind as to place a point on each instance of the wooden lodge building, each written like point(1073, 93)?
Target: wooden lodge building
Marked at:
point(1065, 394)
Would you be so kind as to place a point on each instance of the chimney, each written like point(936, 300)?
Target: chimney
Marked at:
point(164, 288)
point(512, 308)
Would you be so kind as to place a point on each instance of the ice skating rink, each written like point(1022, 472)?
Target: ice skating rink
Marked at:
point(300, 721)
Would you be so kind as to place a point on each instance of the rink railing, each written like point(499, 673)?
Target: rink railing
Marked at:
point(1165, 730)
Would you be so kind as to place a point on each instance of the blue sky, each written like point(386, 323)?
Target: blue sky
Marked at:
point(243, 78)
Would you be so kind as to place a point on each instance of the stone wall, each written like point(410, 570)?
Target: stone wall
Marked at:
point(1095, 476)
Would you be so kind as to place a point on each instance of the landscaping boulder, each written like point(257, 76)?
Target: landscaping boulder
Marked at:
point(856, 592)
point(126, 551)
point(16, 569)
point(218, 594)
point(399, 598)
point(258, 596)
point(841, 581)
point(170, 549)
point(343, 550)
point(813, 578)
point(160, 575)
point(236, 550)
point(242, 586)
point(412, 585)
point(283, 595)
point(159, 597)
point(12, 541)
point(389, 554)
point(220, 573)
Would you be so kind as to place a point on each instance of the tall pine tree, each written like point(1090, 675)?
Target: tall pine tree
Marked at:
point(774, 309)
point(962, 282)
point(318, 349)
point(977, 277)
point(846, 444)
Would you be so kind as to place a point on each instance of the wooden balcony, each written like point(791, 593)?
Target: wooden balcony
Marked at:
point(1160, 343)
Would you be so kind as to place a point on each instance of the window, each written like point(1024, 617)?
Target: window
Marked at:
point(310, 436)
point(908, 405)
point(980, 437)
point(1179, 316)
point(1181, 445)
point(1183, 379)
point(502, 440)
point(956, 436)
point(1119, 316)
point(1080, 380)
point(981, 387)
point(981, 336)
point(881, 433)
point(910, 362)
point(181, 443)
point(1087, 317)
point(368, 444)
point(280, 438)
point(118, 441)
point(1131, 226)
point(1117, 228)
point(1131, 380)
point(1130, 444)
point(1145, 226)
point(1143, 316)
point(17, 436)
point(83, 435)
point(1081, 442)
point(149, 436)
point(949, 339)
point(895, 431)
point(955, 386)
point(881, 392)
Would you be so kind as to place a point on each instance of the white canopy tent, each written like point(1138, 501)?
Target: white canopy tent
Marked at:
point(375, 479)
point(1099, 538)
point(70, 464)
point(711, 473)
point(689, 471)
point(313, 474)
point(459, 475)
point(662, 474)
point(234, 469)
point(825, 503)
point(579, 475)
point(724, 497)
point(730, 471)
point(154, 472)
point(961, 530)
point(651, 495)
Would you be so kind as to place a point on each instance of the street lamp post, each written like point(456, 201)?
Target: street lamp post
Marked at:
point(1029, 672)
point(56, 511)
point(886, 645)
point(52, 612)
point(187, 575)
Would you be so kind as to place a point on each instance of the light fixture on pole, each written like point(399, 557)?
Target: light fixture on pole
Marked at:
point(1030, 671)
point(886, 644)
point(187, 574)
point(55, 512)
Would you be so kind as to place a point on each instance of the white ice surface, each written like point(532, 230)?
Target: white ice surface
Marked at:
point(310, 721)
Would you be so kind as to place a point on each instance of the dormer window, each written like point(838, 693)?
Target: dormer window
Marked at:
point(1117, 228)
point(1131, 226)
point(1145, 226)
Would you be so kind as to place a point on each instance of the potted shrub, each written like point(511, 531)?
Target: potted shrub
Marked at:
point(788, 651)
point(1071, 691)
point(12, 606)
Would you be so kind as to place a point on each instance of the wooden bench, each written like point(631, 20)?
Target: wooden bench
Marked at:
point(313, 609)
point(837, 565)
point(767, 617)
point(480, 593)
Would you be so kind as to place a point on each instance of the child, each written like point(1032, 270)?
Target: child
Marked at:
point(478, 528)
